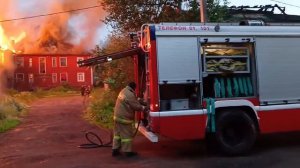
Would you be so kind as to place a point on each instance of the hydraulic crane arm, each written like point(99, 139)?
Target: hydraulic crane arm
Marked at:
point(109, 57)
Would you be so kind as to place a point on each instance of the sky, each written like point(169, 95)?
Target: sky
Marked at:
point(293, 8)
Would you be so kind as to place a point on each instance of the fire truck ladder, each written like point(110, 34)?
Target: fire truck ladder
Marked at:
point(109, 57)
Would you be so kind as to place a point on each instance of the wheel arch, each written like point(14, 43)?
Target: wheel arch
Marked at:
point(242, 105)
point(248, 110)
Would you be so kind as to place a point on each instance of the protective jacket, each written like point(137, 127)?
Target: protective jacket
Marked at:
point(126, 105)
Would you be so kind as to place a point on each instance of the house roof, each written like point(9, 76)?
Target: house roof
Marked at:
point(265, 13)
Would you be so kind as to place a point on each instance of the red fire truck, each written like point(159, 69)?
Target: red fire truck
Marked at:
point(232, 82)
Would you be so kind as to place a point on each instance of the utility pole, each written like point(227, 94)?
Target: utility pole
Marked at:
point(203, 11)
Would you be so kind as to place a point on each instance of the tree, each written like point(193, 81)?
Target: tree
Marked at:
point(118, 72)
point(129, 15)
point(217, 12)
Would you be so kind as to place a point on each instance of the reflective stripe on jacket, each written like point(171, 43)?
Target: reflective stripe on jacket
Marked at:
point(122, 121)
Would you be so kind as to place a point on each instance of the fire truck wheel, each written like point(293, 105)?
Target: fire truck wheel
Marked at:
point(235, 132)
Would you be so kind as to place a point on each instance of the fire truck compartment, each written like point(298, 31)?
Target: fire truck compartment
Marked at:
point(179, 96)
point(228, 69)
point(278, 69)
point(178, 59)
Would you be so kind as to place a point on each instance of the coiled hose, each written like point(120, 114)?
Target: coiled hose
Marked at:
point(99, 143)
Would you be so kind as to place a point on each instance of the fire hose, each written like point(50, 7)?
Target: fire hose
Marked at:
point(99, 142)
point(93, 143)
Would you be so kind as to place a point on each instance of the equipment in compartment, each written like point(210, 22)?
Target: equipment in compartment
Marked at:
point(226, 59)
point(233, 87)
point(174, 104)
point(228, 69)
point(179, 104)
point(180, 96)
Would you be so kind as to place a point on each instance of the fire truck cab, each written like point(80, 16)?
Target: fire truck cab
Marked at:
point(232, 82)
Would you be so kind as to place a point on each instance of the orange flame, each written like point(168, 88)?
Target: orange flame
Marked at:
point(2, 57)
point(7, 43)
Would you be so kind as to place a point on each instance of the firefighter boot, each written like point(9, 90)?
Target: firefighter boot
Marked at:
point(115, 152)
point(131, 154)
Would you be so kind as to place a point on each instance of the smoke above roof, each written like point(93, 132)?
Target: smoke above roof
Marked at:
point(69, 32)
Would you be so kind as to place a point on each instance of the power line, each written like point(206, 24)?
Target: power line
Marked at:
point(286, 3)
point(49, 14)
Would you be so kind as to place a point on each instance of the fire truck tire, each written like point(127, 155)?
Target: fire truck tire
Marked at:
point(235, 132)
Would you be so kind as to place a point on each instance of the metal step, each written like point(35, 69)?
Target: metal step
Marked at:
point(148, 134)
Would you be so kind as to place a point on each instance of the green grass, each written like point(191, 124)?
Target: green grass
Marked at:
point(8, 124)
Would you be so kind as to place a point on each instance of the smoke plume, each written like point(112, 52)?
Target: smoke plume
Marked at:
point(72, 32)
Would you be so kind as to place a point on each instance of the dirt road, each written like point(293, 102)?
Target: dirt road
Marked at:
point(48, 138)
point(50, 134)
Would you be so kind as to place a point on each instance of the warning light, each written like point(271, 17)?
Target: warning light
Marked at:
point(145, 38)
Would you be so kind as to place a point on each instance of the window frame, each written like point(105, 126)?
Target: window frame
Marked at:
point(30, 80)
point(54, 62)
point(30, 62)
point(60, 62)
point(40, 72)
point(20, 79)
point(60, 75)
point(20, 60)
point(54, 76)
point(79, 75)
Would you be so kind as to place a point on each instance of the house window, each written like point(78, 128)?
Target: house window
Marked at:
point(42, 65)
point(79, 59)
point(30, 62)
point(20, 61)
point(19, 77)
point(54, 77)
point(63, 61)
point(80, 77)
point(63, 77)
point(30, 78)
point(54, 62)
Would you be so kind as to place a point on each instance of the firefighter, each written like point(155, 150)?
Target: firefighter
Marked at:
point(82, 90)
point(85, 92)
point(124, 112)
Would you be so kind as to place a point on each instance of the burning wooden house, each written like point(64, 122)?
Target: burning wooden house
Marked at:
point(50, 70)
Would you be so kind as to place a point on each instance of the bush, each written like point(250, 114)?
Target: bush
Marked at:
point(62, 88)
point(101, 107)
point(11, 92)
point(2, 115)
point(10, 110)
point(61, 91)
point(39, 92)
point(27, 97)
